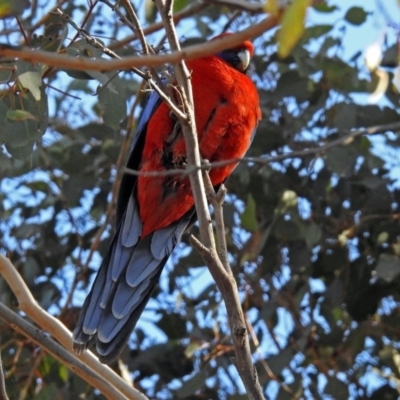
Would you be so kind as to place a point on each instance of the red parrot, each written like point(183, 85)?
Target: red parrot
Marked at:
point(154, 212)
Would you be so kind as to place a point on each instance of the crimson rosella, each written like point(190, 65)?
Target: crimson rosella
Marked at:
point(153, 212)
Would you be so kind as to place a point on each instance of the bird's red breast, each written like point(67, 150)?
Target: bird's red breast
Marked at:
point(227, 111)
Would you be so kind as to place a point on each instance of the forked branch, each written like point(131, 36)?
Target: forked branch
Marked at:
point(220, 270)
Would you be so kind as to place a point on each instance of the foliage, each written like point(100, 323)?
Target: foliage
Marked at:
point(313, 240)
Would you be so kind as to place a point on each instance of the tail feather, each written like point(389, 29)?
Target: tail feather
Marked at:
point(109, 351)
point(164, 240)
point(132, 225)
point(122, 288)
point(142, 264)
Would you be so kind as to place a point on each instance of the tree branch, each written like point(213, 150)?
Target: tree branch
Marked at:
point(189, 128)
point(42, 339)
point(227, 285)
point(53, 326)
point(127, 63)
point(225, 281)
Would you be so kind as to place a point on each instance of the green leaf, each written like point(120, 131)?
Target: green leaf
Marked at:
point(344, 116)
point(287, 230)
point(173, 324)
point(29, 78)
point(6, 72)
point(324, 8)
point(25, 125)
point(291, 84)
point(388, 267)
point(150, 11)
point(180, 5)
point(63, 373)
point(336, 388)
point(82, 48)
point(316, 31)
point(19, 115)
point(249, 215)
point(192, 385)
point(313, 234)
point(342, 160)
point(20, 152)
point(49, 392)
point(281, 360)
point(356, 16)
point(112, 101)
point(32, 81)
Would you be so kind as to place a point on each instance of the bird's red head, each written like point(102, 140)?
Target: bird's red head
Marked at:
point(238, 56)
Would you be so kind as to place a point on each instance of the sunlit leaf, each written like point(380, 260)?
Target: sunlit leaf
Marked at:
point(30, 79)
point(396, 78)
point(272, 6)
point(248, 217)
point(19, 115)
point(383, 83)
point(292, 26)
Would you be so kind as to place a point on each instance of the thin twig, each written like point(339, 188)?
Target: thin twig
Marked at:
point(3, 392)
point(23, 393)
point(93, 41)
point(144, 75)
point(227, 285)
point(216, 199)
point(262, 161)
point(264, 364)
point(85, 20)
point(136, 24)
point(188, 11)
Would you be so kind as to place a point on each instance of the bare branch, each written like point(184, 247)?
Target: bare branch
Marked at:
point(189, 128)
point(216, 199)
point(188, 11)
point(261, 161)
point(136, 25)
point(144, 75)
point(227, 285)
point(54, 327)
point(179, 114)
point(3, 393)
point(127, 63)
point(43, 340)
